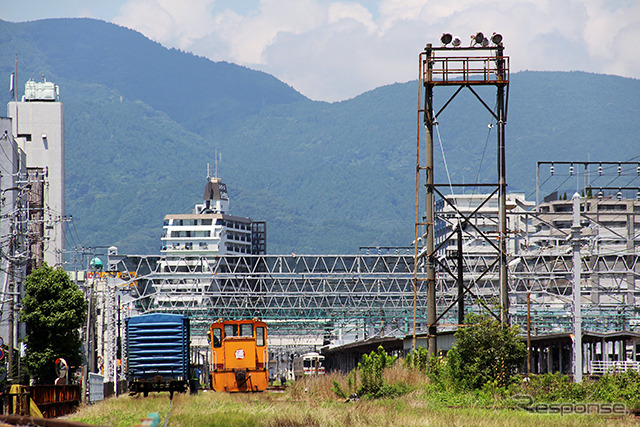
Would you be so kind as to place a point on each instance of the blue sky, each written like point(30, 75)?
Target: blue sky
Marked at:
point(334, 50)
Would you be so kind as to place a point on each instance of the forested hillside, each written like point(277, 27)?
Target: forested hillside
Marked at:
point(143, 121)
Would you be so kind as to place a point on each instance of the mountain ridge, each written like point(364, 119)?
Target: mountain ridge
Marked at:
point(143, 122)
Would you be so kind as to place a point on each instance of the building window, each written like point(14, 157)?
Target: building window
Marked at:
point(617, 207)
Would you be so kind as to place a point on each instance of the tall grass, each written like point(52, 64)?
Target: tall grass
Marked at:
point(311, 402)
point(316, 387)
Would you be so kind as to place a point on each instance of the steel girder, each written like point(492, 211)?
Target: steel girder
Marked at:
point(610, 287)
point(321, 292)
point(318, 290)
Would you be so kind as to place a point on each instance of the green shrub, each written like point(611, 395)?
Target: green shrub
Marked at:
point(616, 387)
point(555, 387)
point(338, 390)
point(485, 350)
point(418, 359)
point(393, 390)
point(373, 385)
point(371, 368)
point(352, 381)
point(611, 388)
point(439, 373)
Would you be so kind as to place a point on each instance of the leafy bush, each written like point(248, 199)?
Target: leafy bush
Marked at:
point(619, 387)
point(613, 387)
point(439, 373)
point(393, 390)
point(485, 350)
point(373, 384)
point(555, 387)
point(352, 381)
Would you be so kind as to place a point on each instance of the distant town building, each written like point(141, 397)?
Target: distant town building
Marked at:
point(485, 221)
point(609, 224)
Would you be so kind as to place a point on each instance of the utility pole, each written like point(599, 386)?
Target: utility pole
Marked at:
point(460, 278)
point(10, 362)
point(576, 243)
point(430, 212)
point(89, 340)
point(502, 185)
point(15, 270)
point(528, 333)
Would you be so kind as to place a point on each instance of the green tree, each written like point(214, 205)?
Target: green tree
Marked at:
point(53, 309)
point(485, 350)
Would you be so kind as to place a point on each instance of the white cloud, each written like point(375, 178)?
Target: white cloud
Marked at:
point(613, 36)
point(334, 50)
point(172, 23)
point(87, 13)
point(249, 36)
point(339, 11)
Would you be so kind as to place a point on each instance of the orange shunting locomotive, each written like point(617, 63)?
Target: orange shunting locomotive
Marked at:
point(239, 355)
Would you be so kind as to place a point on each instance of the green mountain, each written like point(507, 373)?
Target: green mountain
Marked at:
point(143, 121)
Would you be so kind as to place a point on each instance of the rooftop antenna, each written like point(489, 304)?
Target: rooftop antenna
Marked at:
point(218, 156)
point(215, 165)
point(14, 82)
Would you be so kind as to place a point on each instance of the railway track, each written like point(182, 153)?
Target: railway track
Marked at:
point(24, 421)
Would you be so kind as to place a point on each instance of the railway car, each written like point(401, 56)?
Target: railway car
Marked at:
point(239, 355)
point(308, 364)
point(157, 353)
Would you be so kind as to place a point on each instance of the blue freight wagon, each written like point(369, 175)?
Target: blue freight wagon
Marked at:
point(157, 353)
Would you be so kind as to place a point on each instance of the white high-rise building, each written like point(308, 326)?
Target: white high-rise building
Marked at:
point(38, 128)
point(209, 230)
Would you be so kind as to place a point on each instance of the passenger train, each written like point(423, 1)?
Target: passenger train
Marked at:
point(308, 364)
